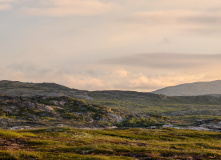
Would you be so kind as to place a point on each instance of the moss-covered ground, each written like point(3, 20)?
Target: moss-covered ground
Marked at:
point(109, 144)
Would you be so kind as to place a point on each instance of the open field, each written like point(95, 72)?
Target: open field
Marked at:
point(119, 144)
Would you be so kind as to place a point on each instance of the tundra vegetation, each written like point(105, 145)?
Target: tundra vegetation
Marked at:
point(183, 110)
point(108, 144)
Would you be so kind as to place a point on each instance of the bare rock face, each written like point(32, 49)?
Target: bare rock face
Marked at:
point(116, 117)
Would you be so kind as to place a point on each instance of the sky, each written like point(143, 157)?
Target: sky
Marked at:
point(139, 45)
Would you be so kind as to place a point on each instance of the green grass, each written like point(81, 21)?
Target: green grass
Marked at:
point(181, 111)
point(9, 134)
point(108, 144)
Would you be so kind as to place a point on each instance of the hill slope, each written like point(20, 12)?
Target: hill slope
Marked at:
point(182, 109)
point(16, 88)
point(192, 89)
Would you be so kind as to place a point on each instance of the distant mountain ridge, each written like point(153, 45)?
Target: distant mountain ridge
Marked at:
point(192, 89)
point(183, 93)
point(106, 97)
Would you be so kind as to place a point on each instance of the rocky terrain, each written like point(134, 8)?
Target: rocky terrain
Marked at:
point(45, 111)
point(50, 104)
point(41, 111)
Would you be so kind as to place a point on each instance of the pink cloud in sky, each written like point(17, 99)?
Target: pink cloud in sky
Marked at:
point(58, 8)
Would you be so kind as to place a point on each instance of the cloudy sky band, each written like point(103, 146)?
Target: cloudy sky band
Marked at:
point(101, 44)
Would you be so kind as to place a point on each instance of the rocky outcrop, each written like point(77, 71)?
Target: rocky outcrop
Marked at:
point(41, 110)
point(4, 122)
point(117, 118)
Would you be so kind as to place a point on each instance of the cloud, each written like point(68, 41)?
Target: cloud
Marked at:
point(189, 18)
point(151, 26)
point(7, 1)
point(174, 4)
point(148, 72)
point(118, 75)
point(4, 7)
point(58, 8)
point(6, 4)
point(211, 19)
point(66, 50)
point(165, 60)
point(39, 75)
point(170, 23)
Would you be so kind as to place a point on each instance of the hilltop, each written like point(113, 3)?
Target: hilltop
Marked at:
point(25, 89)
point(16, 88)
point(192, 89)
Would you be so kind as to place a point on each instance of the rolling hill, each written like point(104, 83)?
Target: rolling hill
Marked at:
point(192, 89)
point(181, 110)
point(16, 88)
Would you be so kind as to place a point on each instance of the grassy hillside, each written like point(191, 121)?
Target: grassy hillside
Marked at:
point(192, 89)
point(183, 110)
point(16, 88)
point(47, 105)
point(120, 144)
point(180, 109)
